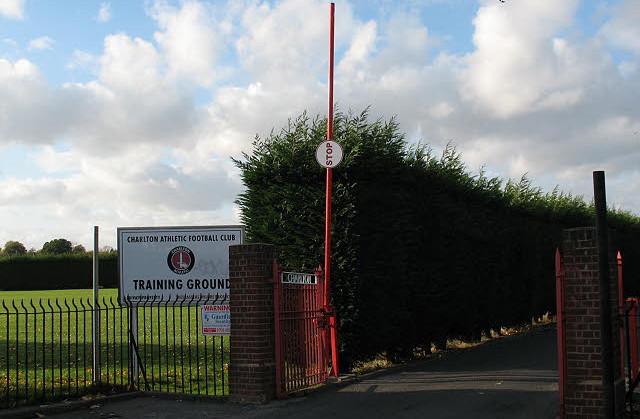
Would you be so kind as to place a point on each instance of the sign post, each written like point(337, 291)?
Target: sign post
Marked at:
point(326, 157)
point(96, 310)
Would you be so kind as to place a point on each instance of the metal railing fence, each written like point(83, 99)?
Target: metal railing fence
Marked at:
point(46, 350)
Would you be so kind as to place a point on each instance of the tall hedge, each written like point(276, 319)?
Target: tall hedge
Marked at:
point(422, 249)
point(51, 272)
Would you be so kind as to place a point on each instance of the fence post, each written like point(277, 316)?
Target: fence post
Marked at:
point(562, 341)
point(133, 345)
point(96, 373)
point(621, 308)
point(606, 335)
point(632, 304)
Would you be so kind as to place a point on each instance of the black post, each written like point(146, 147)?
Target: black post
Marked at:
point(606, 337)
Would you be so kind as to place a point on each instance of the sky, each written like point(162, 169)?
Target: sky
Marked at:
point(127, 113)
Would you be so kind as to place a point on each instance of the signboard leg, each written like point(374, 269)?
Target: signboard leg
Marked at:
point(133, 344)
point(96, 313)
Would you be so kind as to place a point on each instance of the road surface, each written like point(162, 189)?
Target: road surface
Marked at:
point(512, 377)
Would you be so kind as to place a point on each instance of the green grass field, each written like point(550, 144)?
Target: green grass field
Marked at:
point(46, 347)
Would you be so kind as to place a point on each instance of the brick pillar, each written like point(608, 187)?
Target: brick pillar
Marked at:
point(584, 392)
point(252, 374)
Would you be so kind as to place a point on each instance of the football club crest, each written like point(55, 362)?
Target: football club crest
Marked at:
point(181, 260)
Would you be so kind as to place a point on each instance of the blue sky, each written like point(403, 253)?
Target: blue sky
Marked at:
point(124, 113)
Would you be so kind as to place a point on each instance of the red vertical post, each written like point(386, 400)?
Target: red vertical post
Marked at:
point(620, 281)
point(322, 347)
point(562, 340)
point(329, 179)
point(327, 229)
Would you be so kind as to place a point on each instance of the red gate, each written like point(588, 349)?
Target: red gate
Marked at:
point(302, 329)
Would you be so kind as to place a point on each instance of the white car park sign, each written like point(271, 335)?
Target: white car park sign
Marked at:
point(299, 278)
point(182, 265)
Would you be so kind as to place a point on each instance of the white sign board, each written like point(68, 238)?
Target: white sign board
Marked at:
point(299, 278)
point(187, 265)
point(329, 154)
point(215, 320)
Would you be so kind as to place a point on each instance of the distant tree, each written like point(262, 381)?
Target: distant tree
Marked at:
point(14, 248)
point(78, 249)
point(107, 249)
point(57, 246)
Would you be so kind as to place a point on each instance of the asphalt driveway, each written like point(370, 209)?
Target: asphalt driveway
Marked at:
point(512, 377)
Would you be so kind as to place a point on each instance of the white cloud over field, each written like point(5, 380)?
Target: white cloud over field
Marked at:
point(12, 9)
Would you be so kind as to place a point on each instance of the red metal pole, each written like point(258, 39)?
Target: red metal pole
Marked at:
point(562, 342)
point(327, 226)
point(327, 229)
point(620, 282)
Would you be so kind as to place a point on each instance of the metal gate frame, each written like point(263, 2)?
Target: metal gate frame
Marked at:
point(302, 328)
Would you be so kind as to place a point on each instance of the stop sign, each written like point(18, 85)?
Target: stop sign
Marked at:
point(329, 154)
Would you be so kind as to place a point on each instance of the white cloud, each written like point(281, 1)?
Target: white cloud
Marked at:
point(191, 40)
point(521, 64)
point(623, 29)
point(441, 110)
point(131, 102)
point(265, 45)
point(360, 51)
point(130, 64)
point(129, 189)
point(104, 13)
point(54, 161)
point(23, 95)
point(407, 42)
point(12, 9)
point(10, 42)
point(43, 42)
point(82, 59)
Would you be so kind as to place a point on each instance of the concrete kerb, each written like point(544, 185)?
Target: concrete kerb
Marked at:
point(29, 412)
